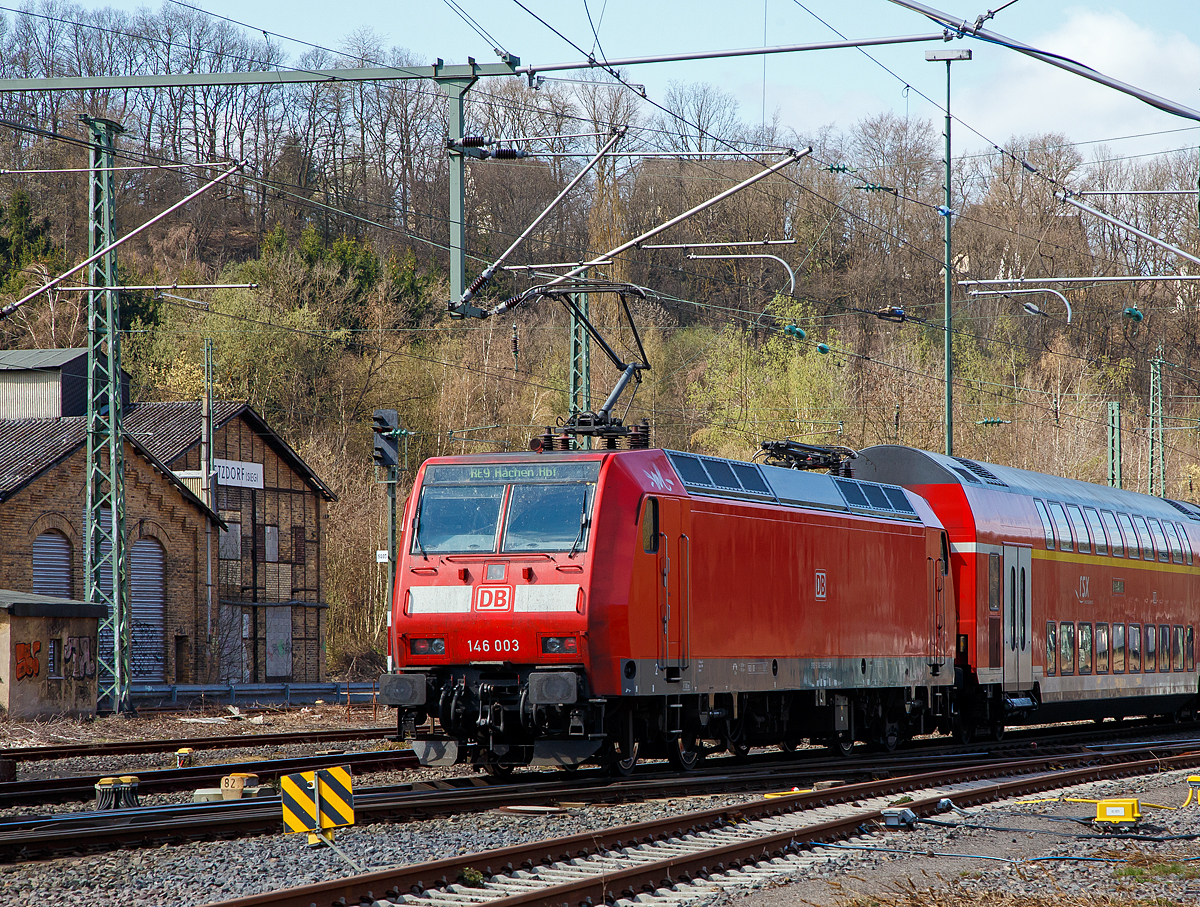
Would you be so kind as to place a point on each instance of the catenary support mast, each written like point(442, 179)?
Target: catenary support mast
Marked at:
point(106, 578)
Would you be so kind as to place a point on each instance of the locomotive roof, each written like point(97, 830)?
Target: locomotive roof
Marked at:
point(799, 488)
point(909, 466)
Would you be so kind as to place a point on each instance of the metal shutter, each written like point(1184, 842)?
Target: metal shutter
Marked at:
point(148, 602)
point(52, 565)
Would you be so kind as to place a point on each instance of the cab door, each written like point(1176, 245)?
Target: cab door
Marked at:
point(1017, 618)
point(674, 589)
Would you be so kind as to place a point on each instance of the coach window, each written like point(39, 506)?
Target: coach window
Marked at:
point(1132, 542)
point(1143, 532)
point(1094, 524)
point(995, 636)
point(1081, 533)
point(1173, 542)
point(1085, 648)
point(650, 526)
point(1061, 526)
point(1118, 648)
point(1046, 526)
point(1114, 534)
point(1164, 648)
point(1189, 647)
point(1187, 544)
point(1051, 647)
point(1066, 648)
point(1101, 648)
point(1177, 649)
point(1135, 648)
point(1160, 541)
point(1151, 648)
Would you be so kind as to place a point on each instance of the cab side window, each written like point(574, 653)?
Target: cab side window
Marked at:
point(650, 526)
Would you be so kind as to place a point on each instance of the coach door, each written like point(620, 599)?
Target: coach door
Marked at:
point(674, 591)
point(1018, 619)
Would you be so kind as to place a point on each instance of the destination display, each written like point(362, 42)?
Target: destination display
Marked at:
point(513, 473)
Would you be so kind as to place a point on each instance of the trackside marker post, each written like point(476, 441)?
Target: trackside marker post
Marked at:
point(318, 802)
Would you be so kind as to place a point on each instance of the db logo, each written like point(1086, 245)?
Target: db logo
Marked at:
point(821, 588)
point(493, 598)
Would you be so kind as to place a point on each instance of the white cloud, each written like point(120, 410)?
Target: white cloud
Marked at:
point(1024, 96)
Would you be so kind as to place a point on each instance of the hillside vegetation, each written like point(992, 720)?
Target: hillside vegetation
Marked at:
point(341, 219)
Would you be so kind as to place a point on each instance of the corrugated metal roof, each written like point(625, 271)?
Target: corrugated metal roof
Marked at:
point(169, 430)
point(32, 359)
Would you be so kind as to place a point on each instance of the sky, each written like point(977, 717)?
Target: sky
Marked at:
point(997, 95)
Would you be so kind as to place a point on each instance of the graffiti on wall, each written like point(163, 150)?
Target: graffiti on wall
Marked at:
point(79, 656)
point(28, 663)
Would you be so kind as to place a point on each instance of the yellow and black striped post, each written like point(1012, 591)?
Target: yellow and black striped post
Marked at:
point(318, 802)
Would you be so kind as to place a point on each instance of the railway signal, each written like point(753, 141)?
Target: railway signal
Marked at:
point(385, 423)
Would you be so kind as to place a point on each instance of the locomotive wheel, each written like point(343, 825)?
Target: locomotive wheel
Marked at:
point(684, 752)
point(998, 729)
point(622, 763)
point(842, 744)
point(789, 746)
point(964, 730)
point(739, 749)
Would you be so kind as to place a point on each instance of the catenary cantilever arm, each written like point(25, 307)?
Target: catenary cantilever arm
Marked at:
point(482, 280)
point(13, 306)
point(791, 157)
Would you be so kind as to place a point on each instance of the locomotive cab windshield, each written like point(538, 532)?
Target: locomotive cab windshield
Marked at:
point(518, 508)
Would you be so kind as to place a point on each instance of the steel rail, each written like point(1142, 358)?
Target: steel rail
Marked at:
point(83, 787)
point(25, 837)
point(129, 747)
point(365, 887)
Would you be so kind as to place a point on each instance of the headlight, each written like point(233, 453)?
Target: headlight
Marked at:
point(427, 646)
point(559, 645)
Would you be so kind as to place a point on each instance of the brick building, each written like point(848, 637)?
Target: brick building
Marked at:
point(42, 501)
point(232, 598)
point(271, 551)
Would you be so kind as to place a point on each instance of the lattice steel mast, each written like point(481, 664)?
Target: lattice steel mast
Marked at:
point(106, 579)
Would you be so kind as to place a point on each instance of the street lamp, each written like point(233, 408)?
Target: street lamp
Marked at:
point(948, 56)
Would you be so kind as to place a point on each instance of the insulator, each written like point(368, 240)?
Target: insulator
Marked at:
point(822, 348)
point(1134, 313)
point(475, 141)
point(508, 154)
point(477, 284)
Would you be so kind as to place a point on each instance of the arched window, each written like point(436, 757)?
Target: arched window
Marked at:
point(52, 565)
point(148, 602)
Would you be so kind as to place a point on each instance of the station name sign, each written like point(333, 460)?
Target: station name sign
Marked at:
point(236, 474)
point(497, 473)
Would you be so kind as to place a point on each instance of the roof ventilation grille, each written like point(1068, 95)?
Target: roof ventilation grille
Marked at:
point(987, 475)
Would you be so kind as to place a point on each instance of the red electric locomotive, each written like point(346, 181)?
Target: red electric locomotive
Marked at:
point(556, 608)
point(1074, 600)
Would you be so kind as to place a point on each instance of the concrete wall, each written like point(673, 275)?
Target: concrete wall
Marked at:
point(34, 683)
point(155, 508)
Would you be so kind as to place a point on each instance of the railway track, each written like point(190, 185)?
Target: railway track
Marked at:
point(82, 787)
point(137, 747)
point(688, 855)
point(33, 837)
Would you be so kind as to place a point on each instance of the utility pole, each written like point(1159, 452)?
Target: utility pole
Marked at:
point(1156, 480)
point(105, 565)
point(1114, 444)
point(207, 492)
point(581, 363)
point(949, 56)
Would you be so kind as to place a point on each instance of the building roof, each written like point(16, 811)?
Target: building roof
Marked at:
point(170, 430)
point(28, 604)
point(29, 447)
point(17, 360)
